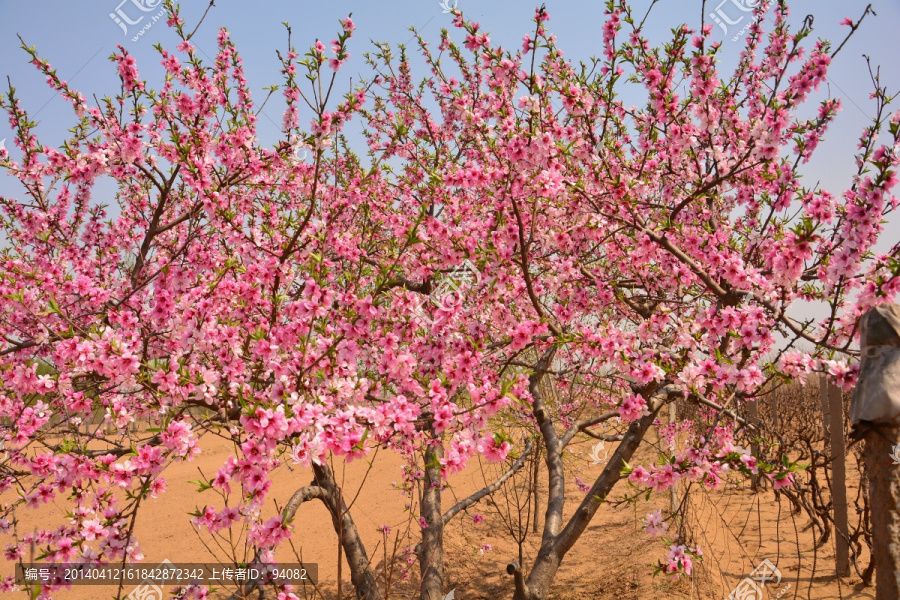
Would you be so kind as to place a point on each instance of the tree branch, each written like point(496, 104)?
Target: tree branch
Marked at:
point(467, 502)
point(515, 570)
point(304, 494)
point(583, 425)
point(605, 482)
point(606, 437)
point(557, 486)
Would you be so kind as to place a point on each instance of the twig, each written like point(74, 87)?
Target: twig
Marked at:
point(467, 502)
point(211, 4)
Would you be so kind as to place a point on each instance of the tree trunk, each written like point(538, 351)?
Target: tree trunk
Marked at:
point(326, 490)
point(431, 550)
point(355, 552)
point(555, 546)
point(823, 396)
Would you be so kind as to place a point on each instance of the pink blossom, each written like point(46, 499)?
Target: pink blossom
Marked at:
point(654, 524)
point(494, 449)
point(633, 408)
point(779, 482)
point(269, 534)
point(639, 476)
point(92, 530)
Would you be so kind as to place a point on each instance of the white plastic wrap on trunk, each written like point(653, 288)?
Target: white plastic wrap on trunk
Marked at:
point(877, 395)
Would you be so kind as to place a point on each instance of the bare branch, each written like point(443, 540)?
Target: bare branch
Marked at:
point(304, 494)
point(853, 28)
point(583, 425)
point(467, 502)
point(200, 22)
point(606, 437)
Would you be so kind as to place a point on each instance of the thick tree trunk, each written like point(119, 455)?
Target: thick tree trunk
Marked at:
point(431, 550)
point(354, 551)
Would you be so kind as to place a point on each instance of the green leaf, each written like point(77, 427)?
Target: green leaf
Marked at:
point(202, 486)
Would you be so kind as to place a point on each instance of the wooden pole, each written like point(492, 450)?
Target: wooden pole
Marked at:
point(823, 397)
point(874, 418)
point(884, 506)
point(839, 481)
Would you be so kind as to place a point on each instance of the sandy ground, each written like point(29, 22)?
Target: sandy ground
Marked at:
point(736, 528)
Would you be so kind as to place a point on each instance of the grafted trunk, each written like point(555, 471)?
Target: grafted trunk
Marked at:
point(361, 574)
point(431, 550)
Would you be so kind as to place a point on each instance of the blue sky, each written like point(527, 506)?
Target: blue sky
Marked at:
point(78, 37)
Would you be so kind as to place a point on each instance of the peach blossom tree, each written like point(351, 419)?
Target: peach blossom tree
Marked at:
point(505, 224)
